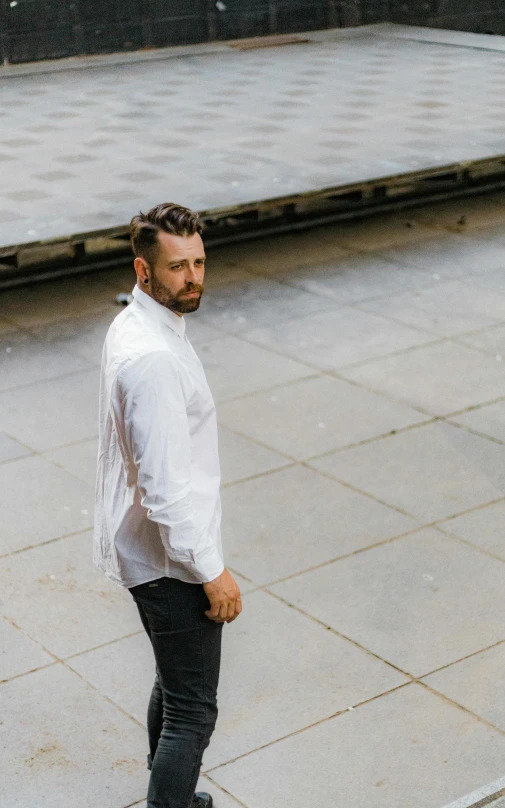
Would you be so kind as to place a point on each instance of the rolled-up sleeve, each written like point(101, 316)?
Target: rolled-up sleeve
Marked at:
point(158, 441)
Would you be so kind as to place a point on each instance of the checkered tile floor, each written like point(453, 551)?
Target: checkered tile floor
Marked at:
point(83, 150)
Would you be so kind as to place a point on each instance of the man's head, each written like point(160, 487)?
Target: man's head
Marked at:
point(169, 256)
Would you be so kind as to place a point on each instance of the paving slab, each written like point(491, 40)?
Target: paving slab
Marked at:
point(81, 336)
point(482, 527)
point(287, 252)
point(78, 459)
point(314, 416)
point(490, 279)
point(386, 232)
point(123, 671)
point(43, 415)
point(40, 502)
point(25, 358)
point(351, 277)
point(11, 449)
point(391, 105)
point(44, 303)
point(450, 256)
point(487, 420)
point(491, 340)
point(408, 745)
point(56, 595)
point(240, 457)
point(439, 378)
point(476, 683)
point(5, 326)
point(385, 599)
point(256, 302)
point(18, 653)
point(464, 215)
point(199, 333)
point(448, 309)
point(318, 520)
point(330, 340)
point(64, 744)
point(450, 470)
point(258, 368)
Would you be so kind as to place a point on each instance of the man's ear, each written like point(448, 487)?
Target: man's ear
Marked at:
point(142, 269)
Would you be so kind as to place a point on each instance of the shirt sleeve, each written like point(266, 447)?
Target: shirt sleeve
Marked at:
point(157, 437)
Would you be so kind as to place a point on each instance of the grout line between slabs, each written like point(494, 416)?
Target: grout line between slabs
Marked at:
point(467, 542)
point(224, 790)
point(103, 645)
point(52, 379)
point(303, 729)
point(338, 713)
point(461, 659)
point(417, 529)
point(44, 543)
point(412, 680)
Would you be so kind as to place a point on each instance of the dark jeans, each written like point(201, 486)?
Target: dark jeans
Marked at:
point(182, 710)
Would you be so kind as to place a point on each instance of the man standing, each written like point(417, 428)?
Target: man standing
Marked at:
point(158, 508)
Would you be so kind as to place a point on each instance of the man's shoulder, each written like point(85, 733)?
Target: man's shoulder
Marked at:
point(135, 337)
point(156, 374)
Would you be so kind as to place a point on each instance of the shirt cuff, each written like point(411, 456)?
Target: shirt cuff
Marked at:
point(207, 565)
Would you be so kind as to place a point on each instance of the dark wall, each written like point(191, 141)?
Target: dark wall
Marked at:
point(480, 16)
point(49, 29)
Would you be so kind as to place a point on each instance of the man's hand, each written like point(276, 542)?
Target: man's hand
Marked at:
point(224, 597)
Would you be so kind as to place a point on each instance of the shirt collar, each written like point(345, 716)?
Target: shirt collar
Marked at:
point(159, 312)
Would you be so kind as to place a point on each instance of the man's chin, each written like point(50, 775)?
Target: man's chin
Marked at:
point(184, 306)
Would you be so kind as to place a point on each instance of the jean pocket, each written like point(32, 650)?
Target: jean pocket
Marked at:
point(155, 603)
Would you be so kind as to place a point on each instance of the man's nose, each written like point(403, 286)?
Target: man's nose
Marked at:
point(193, 274)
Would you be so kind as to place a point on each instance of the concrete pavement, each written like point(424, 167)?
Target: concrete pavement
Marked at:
point(358, 373)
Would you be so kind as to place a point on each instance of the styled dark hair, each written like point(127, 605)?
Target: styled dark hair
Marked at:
point(167, 217)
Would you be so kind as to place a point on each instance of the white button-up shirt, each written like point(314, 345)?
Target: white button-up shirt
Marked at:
point(157, 505)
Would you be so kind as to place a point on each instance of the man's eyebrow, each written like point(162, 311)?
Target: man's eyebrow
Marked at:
point(185, 260)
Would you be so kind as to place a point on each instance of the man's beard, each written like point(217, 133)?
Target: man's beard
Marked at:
point(163, 295)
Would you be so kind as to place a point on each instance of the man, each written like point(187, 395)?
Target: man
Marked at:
point(158, 509)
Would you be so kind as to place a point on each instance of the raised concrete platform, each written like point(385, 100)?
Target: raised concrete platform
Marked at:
point(225, 128)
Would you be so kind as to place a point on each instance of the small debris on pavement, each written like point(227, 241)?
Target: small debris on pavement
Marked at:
point(123, 298)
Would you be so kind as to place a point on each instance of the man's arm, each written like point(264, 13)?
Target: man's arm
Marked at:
point(157, 435)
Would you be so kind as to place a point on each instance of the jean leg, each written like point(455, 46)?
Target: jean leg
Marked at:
point(187, 648)
point(155, 707)
point(154, 720)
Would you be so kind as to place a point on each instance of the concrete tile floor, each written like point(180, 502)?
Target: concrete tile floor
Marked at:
point(366, 669)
